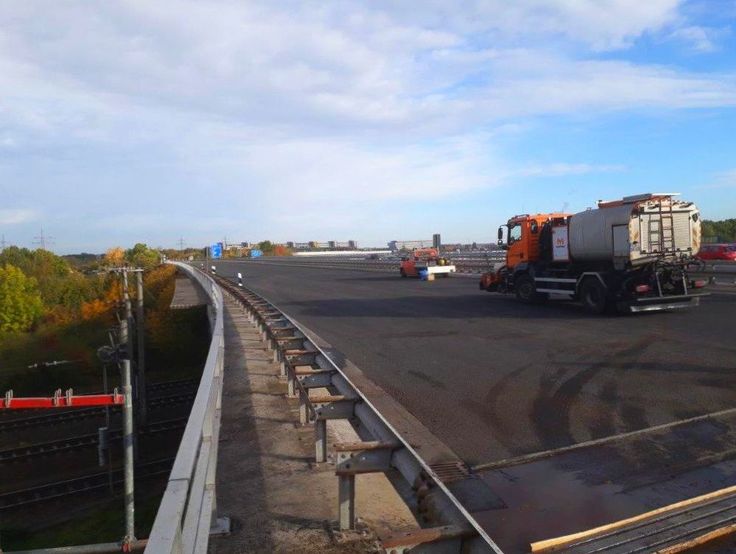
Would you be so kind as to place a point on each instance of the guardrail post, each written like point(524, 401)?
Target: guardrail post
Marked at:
point(303, 415)
point(346, 494)
point(291, 385)
point(320, 440)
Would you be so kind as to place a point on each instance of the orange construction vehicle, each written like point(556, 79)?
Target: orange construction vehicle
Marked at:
point(630, 254)
point(425, 259)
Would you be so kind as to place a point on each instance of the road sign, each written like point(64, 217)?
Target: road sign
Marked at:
point(216, 250)
point(255, 253)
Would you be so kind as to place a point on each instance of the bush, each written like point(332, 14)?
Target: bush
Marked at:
point(20, 300)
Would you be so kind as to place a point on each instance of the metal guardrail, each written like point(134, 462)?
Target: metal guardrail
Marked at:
point(187, 514)
point(307, 366)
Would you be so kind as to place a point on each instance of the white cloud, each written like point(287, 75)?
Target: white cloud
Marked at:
point(700, 39)
point(600, 24)
point(547, 84)
point(340, 104)
point(343, 68)
point(16, 216)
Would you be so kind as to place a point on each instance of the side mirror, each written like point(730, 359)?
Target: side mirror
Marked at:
point(500, 235)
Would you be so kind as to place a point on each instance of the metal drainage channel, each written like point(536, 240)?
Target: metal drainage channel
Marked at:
point(306, 366)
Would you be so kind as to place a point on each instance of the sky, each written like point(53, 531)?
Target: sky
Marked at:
point(138, 121)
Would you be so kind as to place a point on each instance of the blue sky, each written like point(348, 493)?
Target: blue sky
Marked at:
point(150, 121)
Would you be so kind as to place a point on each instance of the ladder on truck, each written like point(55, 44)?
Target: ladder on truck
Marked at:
point(661, 227)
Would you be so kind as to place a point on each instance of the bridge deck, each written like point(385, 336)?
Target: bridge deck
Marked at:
point(267, 479)
point(494, 379)
point(187, 294)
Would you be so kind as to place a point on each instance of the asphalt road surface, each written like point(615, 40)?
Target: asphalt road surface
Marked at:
point(493, 378)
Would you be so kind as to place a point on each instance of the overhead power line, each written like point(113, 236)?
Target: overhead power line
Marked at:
point(43, 240)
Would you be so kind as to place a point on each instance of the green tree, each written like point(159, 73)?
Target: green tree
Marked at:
point(20, 300)
point(61, 286)
point(265, 246)
point(142, 256)
point(724, 230)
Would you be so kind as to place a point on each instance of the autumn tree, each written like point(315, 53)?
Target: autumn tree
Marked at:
point(281, 250)
point(62, 287)
point(20, 300)
point(142, 256)
point(115, 257)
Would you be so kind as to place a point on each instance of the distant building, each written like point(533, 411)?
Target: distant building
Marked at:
point(395, 245)
point(317, 245)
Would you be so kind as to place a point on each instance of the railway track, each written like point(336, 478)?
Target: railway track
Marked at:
point(73, 414)
point(80, 485)
point(164, 385)
point(27, 452)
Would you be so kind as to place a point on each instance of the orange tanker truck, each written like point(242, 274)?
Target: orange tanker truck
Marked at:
point(629, 255)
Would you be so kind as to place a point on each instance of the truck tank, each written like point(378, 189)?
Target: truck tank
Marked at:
point(635, 230)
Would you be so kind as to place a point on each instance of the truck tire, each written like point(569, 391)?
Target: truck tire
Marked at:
point(593, 295)
point(526, 290)
point(403, 273)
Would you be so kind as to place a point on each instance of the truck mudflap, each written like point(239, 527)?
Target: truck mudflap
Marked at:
point(657, 303)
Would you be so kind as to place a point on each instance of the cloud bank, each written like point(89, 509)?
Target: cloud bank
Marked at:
point(339, 105)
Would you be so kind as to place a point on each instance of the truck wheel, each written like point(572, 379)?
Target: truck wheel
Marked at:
point(526, 290)
point(403, 273)
point(593, 296)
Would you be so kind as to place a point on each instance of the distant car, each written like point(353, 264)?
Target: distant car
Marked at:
point(718, 252)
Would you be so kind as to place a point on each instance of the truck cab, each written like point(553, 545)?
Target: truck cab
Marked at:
point(521, 237)
point(523, 233)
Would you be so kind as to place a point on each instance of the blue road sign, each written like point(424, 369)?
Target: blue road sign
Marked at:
point(255, 253)
point(216, 251)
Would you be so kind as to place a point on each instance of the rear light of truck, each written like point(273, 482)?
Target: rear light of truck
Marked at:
point(642, 289)
point(699, 284)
